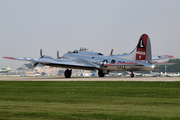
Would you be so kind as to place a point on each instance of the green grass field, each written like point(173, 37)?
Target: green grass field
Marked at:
point(89, 100)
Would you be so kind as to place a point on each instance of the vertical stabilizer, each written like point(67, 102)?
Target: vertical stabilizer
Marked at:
point(143, 49)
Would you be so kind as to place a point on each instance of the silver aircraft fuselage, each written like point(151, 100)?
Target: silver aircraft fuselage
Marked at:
point(104, 61)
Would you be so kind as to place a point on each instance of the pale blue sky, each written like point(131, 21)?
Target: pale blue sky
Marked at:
point(99, 25)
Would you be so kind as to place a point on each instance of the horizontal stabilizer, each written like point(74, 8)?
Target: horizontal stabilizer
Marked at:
point(163, 63)
point(161, 57)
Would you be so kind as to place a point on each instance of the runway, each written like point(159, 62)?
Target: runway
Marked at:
point(166, 79)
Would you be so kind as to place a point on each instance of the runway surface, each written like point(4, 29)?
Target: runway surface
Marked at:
point(170, 79)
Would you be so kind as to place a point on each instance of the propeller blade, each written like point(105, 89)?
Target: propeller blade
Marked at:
point(57, 53)
point(41, 52)
point(35, 64)
point(111, 51)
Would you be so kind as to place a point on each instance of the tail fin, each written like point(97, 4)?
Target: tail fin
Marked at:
point(143, 49)
point(142, 52)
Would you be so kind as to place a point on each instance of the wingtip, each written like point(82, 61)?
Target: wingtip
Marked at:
point(11, 58)
point(169, 56)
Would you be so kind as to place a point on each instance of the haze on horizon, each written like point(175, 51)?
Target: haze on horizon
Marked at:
point(99, 25)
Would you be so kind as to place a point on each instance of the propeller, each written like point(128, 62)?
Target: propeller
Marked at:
point(111, 51)
point(41, 56)
point(35, 64)
point(41, 52)
point(57, 53)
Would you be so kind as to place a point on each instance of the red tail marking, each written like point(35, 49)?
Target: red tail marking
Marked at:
point(169, 56)
point(141, 48)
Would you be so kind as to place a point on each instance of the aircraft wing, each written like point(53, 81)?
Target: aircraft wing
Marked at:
point(62, 62)
point(23, 59)
point(160, 57)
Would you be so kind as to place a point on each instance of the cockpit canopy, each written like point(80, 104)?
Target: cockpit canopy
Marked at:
point(75, 51)
point(83, 50)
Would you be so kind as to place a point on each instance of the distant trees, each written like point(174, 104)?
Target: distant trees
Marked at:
point(3, 68)
point(170, 68)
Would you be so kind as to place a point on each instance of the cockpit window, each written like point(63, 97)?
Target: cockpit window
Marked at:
point(83, 49)
point(75, 51)
point(100, 54)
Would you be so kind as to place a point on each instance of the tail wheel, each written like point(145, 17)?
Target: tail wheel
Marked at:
point(100, 73)
point(67, 73)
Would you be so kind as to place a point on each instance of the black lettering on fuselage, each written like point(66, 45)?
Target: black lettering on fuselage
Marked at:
point(121, 66)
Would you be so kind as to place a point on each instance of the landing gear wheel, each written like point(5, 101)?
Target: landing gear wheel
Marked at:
point(67, 73)
point(100, 73)
point(132, 75)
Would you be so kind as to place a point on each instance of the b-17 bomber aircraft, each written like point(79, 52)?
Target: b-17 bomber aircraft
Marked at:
point(140, 59)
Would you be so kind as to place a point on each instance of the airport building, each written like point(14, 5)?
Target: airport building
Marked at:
point(41, 70)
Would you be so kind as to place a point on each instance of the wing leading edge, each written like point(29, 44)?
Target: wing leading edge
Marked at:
point(62, 62)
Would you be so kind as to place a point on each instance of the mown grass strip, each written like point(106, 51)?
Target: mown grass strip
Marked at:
point(89, 100)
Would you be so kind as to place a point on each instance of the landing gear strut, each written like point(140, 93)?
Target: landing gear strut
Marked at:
point(132, 75)
point(100, 73)
point(67, 73)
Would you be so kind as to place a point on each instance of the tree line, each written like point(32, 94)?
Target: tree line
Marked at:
point(169, 68)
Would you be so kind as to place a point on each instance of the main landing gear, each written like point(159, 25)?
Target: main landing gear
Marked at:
point(132, 75)
point(67, 73)
point(100, 73)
